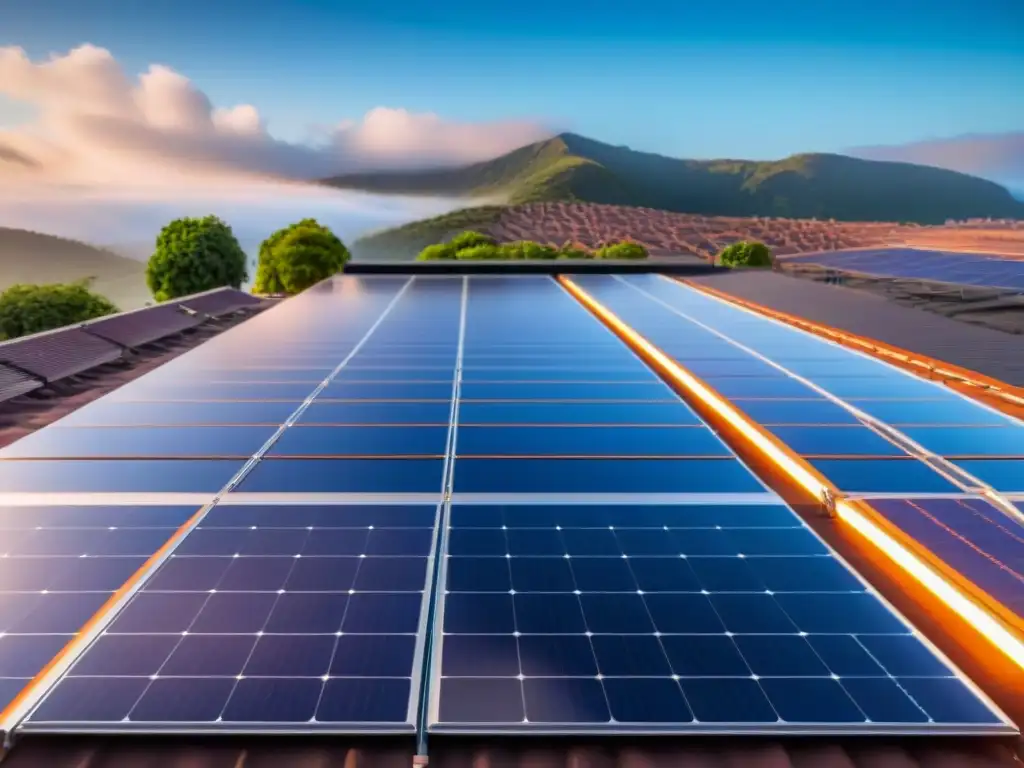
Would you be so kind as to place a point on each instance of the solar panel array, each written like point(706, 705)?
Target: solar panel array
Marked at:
point(827, 403)
point(868, 427)
point(943, 266)
point(455, 503)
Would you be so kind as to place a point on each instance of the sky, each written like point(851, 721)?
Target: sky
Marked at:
point(669, 76)
point(129, 97)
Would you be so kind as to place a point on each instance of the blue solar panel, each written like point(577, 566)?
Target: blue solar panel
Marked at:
point(665, 311)
point(590, 441)
point(111, 413)
point(598, 391)
point(361, 441)
point(344, 476)
point(1004, 475)
point(58, 566)
point(294, 392)
point(565, 475)
point(518, 412)
point(265, 617)
point(973, 441)
point(368, 412)
point(982, 542)
point(141, 442)
point(680, 618)
point(942, 266)
point(390, 390)
point(836, 441)
point(117, 476)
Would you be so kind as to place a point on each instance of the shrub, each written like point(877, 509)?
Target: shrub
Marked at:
point(479, 253)
point(298, 257)
point(531, 250)
point(625, 250)
point(574, 251)
point(510, 251)
point(437, 252)
point(746, 254)
point(26, 309)
point(194, 255)
point(470, 239)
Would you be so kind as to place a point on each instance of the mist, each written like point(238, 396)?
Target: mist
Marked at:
point(127, 219)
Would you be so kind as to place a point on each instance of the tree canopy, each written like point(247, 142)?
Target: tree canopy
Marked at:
point(746, 254)
point(469, 239)
point(194, 255)
point(26, 309)
point(299, 256)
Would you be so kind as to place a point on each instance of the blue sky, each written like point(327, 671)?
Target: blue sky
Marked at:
point(696, 78)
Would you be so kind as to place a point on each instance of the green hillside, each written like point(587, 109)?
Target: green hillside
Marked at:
point(32, 257)
point(570, 167)
point(406, 241)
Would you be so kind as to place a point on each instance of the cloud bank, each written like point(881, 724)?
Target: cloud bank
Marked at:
point(97, 125)
point(999, 156)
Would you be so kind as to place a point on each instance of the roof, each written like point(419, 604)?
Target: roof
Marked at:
point(990, 352)
point(277, 752)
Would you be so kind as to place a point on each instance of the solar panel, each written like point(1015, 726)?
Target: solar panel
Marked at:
point(838, 436)
point(674, 618)
point(703, 615)
point(962, 268)
point(58, 567)
point(289, 617)
point(982, 542)
point(265, 617)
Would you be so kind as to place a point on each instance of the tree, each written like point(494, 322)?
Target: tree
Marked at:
point(746, 254)
point(298, 257)
point(194, 255)
point(436, 252)
point(26, 309)
point(470, 239)
point(624, 250)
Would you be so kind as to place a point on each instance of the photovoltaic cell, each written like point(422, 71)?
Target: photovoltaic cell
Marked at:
point(674, 618)
point(265, 617)
point(58, 566)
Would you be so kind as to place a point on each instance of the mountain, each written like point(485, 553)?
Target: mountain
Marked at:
point(571, 167)
point(32, 257)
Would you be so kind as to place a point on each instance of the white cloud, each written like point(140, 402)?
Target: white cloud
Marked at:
point(97, 125)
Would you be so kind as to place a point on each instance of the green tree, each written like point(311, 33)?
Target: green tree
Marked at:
point(194, 255)
point(479, 253)
point(436, 252)
point(470, 239)
point(26, 309)
point(746, 254)
point(298, 257)
point(624, 250)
